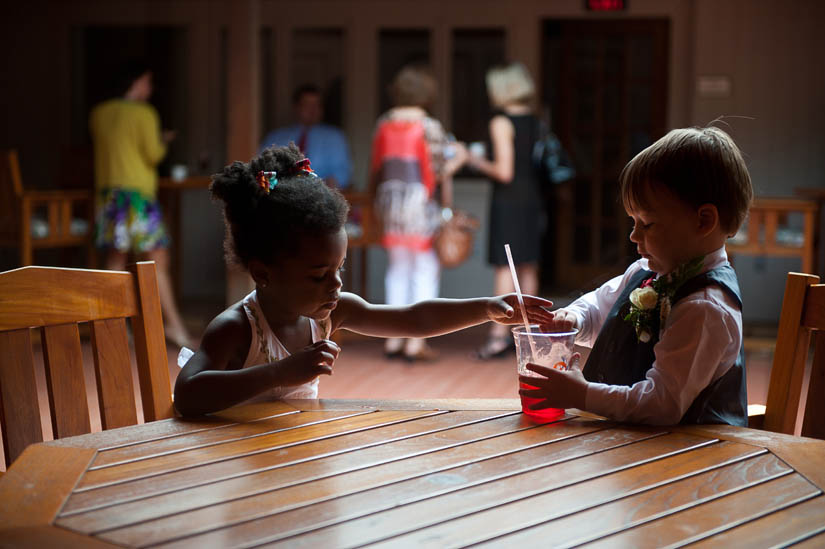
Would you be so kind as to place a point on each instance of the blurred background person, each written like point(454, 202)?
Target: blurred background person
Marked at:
point(517, 215)
point(411, 157)
point(128, 145)
point(324, 145)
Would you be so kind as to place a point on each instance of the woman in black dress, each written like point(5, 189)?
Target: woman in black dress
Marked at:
point(517, 214)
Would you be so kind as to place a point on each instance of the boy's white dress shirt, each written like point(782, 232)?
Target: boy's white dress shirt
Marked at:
point(698, 343)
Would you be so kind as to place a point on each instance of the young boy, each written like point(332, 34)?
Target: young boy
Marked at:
point(666, 336)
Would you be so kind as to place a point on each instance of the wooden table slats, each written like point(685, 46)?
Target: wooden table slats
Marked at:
point(385, 428)
point(816, 541)
point(638, 508)
point(774, 529)
point(323, 477)
point(519, 502)
point(701, 520)
point(166, 428)
point(415, 474)
point(249, 446)
point(231, 433)
point(309, 506)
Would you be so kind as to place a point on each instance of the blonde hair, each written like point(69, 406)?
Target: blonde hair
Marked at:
point(699, 166)
point(509, 84)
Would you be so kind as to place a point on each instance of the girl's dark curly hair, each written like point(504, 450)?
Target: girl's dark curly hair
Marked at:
point(264, 226)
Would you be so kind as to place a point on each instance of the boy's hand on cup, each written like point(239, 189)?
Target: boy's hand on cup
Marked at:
point(558, 388)
point(309, 363)
point(560, 321)
point(505, 309)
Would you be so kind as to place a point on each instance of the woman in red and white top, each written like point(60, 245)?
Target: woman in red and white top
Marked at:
point(411, 157)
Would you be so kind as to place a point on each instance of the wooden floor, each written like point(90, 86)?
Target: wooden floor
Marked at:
point(362, 371)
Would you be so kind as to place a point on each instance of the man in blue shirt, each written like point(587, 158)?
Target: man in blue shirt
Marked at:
point(324, 145)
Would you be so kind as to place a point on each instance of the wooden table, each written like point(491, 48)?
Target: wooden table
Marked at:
point(414, 474)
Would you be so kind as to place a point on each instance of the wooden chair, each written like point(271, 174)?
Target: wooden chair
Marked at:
point(56, 300)
point(803, 315)
point(362, 232)
point(764, 219)
point(19, 208)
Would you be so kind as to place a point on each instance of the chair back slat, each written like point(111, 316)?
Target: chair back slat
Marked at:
point(150, 346)
point(11, 189)
point(113, 372)
point(65, 380)
point(813, 315)
point(813, 422)
point(791, 353)
point(20, 420)
point(73, 295)
point(56, 300)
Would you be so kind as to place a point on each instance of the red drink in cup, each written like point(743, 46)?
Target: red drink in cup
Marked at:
point(544, 414)
point(551, 349)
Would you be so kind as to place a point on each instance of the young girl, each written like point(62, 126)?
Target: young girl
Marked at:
point(287, 229)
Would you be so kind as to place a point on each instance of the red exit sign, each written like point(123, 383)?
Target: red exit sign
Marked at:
point(605, 5)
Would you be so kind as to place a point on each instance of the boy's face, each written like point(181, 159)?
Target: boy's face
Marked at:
point(309, 283)
point(666, 230)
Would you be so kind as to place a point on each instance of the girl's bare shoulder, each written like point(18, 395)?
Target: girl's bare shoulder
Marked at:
point(229, 331)
point(349, 304)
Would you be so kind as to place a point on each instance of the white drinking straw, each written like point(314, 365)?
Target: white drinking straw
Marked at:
point(520, 299)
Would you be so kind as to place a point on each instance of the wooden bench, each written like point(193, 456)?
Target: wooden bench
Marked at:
point(766, 216)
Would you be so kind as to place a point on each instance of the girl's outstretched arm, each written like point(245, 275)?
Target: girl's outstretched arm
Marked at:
point(214, 378)
point(435, 316)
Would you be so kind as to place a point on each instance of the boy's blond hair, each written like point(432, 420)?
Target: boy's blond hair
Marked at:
point(510, 84)
point(699, 166)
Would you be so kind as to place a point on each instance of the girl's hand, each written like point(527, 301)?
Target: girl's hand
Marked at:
point(505, 310)
point(558, 388)
point(308, 363)
point(560, 321)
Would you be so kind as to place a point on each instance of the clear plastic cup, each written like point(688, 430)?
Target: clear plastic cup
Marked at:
point(553, 350)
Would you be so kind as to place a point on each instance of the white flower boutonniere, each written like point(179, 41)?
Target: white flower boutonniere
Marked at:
point(658, 293)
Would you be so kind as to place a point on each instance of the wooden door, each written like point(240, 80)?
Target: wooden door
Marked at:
point(606, 85)
point(396, 49)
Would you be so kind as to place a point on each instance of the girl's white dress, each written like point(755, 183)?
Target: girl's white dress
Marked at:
point(265, 347)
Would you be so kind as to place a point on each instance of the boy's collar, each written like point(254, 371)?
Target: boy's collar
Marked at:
point(714, 259)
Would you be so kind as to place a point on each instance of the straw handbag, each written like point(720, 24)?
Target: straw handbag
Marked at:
point(453, 242)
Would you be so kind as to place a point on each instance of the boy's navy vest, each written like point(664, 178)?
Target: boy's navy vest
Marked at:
point(619, 358)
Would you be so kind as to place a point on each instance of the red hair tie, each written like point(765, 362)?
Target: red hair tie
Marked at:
point(302, 166)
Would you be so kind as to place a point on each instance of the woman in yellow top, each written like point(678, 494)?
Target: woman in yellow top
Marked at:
point(128, 145)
